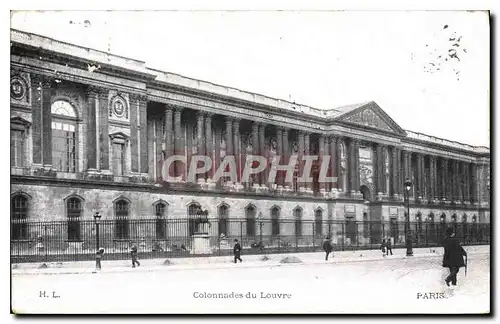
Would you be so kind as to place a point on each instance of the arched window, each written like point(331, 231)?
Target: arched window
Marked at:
point(193, 209)
point(318, 222)
point(121, 221)
point(297, 216)
point(64, 139)
point(223, 220)
point(19, 216)
point(73, 212)
point(275, 224)
point(160, 220)
point(250, 218)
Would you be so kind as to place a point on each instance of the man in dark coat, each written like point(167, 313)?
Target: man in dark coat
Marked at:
point(327, 247)
point(133, 254)
point(237, 251)
point(453, 256)
point(388, 245)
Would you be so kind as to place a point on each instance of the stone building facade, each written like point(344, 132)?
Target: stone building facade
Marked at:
point(90, 130)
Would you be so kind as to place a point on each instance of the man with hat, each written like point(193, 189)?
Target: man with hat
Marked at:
point(327, 247)
point(453, 256)
point(237, 251)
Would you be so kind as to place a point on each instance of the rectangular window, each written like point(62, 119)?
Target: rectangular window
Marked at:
point(118, 159)
point(17, 148)
point(63, 147)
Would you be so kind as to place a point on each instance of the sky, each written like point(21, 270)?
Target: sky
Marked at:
point(428, 70)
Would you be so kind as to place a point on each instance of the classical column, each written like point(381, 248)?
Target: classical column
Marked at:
point(474, 197)
point(455, 181)
point(379, 169)
point(323, 150)
point(209, 143)
point(466, 166)
point(356, 165)
point(91, 134)
point(407, 170)
point(200, 140)
point(179, 148)
point(451, 181)
point(351, 166)
point(401, 176)
point(169, 131)
point(36, 112)
point(334, 162)
point(134, 134)
point(262, 152)
point(394, 172)
point(217, 142)
point(444, 178)
point(420, 176)
point(307, 151)
point(255, 148)
point(47, 121)
point(236, 145)
point(301, 145)
point(279, 152)
point(143, 133)
point(461, 181)
point(432, 170)
point(103, 129)
point(159, 151)
point(286, 153)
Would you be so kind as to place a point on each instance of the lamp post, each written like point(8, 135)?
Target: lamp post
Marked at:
point(97, 218)
point(98, 256)
point(409, 248)
point(260, 218)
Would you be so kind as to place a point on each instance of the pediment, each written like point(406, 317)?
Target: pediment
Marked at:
point(372, 116)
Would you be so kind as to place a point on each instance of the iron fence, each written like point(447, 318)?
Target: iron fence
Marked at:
point(74, 240)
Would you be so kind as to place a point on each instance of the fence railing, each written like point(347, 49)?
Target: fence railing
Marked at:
point(74, 240)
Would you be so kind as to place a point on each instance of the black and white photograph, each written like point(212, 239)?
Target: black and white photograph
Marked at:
point(250, 162)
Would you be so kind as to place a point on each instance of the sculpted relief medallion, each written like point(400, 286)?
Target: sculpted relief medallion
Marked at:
point(17, 89)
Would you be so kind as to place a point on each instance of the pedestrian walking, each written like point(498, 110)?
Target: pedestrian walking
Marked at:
point(98, 257)
point(237, 251)
point(388, 245)
point(133, 254)
point(383, 246)
point(327, 247)
point(453, 256)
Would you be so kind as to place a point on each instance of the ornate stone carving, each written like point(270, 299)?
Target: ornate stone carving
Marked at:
point(20, 87)
point(367, 117)
point(118, 107)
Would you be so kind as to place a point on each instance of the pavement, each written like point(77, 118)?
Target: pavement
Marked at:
point(249, 261)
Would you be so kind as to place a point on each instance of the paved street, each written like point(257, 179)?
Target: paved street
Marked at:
point(383, 286)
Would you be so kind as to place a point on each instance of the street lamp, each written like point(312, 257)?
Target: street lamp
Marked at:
point(409, 248)
point(97, 218)
point(260, 218)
